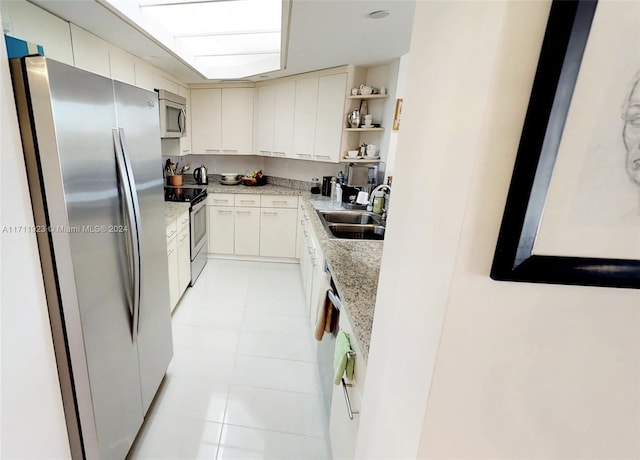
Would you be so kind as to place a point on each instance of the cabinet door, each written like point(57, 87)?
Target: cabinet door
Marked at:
point(90, 52)
point(237, 120)
point(278, 232)
point(172, 256)
point(265, 119)
point(206, 122)
point(283, 130)
point(122, 65)
point(329, 118)
point(28, 22)
point(144, 75)
point(304, 118)
point(221, 230)
point(247, 231)
point(184, 260)
point(185, 141)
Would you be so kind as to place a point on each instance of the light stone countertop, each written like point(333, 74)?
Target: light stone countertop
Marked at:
point(267, 189)
point(355, 268)
point(173, 210)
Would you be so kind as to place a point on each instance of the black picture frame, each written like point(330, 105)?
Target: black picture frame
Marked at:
point(557, 71)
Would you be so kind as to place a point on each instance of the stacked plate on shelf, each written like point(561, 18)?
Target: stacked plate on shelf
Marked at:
point(230, 179)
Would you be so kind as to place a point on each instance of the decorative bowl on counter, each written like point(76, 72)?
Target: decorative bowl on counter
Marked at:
point(250, 181)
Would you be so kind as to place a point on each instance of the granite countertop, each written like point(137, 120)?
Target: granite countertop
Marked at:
point(173, 210)
point(267, 189)
point(355, 268)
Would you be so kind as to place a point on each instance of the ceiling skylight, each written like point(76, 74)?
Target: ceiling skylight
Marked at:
point(222, 39)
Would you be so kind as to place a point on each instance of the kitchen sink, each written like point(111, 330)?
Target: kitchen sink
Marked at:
point(353, 225)
point(351, 217)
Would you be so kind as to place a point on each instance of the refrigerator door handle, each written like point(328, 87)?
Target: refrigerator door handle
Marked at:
point(125, 173)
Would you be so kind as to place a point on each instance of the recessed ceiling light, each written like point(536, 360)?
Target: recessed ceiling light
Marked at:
point(379, 14)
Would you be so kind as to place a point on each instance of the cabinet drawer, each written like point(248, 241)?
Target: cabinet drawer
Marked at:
point(278, 201)
point(172, 229)
point(183, 221)
point(247, 201)
point(220, 199)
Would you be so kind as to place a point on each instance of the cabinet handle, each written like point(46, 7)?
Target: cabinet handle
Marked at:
point(279, 201)
point(265, 152)
point(346, 399)
point(183, 237)
point(230, 150)
point(304, 155)
point(220, 201)
point(323, 156)
point(170, 252)
point(170, 234)
point(223, 211)
point(243, 212)
point(247, 201)
point(186, 151)
point(273, 213)
point(280, 154)
point(211, 150)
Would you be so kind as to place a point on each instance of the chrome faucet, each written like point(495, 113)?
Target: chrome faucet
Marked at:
point(385, 206)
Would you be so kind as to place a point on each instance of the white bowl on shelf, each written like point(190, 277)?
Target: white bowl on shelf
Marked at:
point(352, 153)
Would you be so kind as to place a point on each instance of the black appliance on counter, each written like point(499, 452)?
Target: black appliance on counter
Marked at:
point(197, 198)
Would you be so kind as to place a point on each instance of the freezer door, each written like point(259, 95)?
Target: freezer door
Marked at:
point(71, 155)
point(139, 126)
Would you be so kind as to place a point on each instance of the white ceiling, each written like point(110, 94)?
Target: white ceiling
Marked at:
point(322, 34)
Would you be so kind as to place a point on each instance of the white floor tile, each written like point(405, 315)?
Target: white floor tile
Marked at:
point(256, 321)
point(195, 398)
point(244, 443)
point(216, 318)
point(276, 346)
point(198, 364)
point(204, 338)
point(167, 437)
point(278, 303)
point(289, 412)
point(277, 374)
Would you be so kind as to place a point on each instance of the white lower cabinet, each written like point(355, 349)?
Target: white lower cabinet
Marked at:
point(221, 229)
point(253, 225)
point(179, 257)
point(343, 430)
point(172, 256)
point(247, 231)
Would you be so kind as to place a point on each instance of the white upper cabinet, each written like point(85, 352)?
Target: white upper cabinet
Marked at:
point(222, 121)
point(144, 75)
point(237, 120)
point(90, 52)
point(162, 82)
point(206, 123)
point(265, 119)
point(304, 118)
point(285, 99)
point(329, 117)
point(28, 22)
point(122, 65)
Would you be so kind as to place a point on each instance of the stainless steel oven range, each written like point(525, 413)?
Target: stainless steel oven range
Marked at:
point(197, 197)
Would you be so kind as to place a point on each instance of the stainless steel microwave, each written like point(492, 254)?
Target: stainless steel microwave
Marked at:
point(173, 114)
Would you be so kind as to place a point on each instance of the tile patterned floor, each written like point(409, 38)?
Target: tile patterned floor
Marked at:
point(243, 383)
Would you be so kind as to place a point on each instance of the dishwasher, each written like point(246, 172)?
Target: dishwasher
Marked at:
point(326, 348)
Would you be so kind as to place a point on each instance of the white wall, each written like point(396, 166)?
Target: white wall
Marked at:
point(33, 424)
point(462, 366)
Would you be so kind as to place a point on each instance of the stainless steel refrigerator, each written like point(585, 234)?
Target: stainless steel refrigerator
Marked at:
point(92, 151)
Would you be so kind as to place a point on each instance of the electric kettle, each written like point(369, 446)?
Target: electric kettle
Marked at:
point(200, 175)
